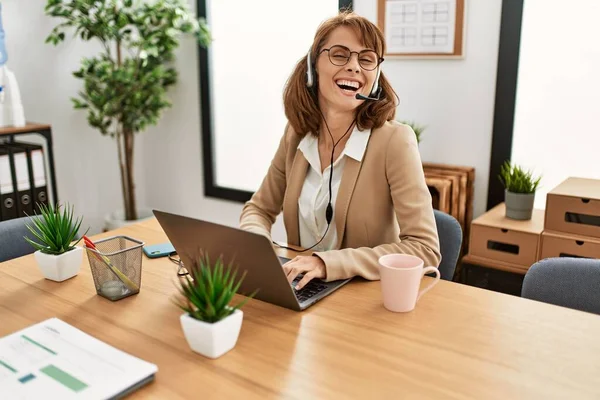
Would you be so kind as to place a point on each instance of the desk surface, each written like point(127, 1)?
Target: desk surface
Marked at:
point(460, 341)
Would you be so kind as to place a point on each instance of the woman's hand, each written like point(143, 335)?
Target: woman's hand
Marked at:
point(311, 266)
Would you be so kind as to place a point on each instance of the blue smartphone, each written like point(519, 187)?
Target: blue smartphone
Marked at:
point(158, 250)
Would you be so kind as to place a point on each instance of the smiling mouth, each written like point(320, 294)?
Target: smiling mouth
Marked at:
point(350, 86)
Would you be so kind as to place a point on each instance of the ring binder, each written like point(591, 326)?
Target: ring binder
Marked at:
point(37, 173)
point(20, 173)
point(8, 203)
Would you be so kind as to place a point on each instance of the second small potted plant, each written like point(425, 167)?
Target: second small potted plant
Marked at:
point(418, 129)
point(55, 230)
point(519, 191)
point(211, 325)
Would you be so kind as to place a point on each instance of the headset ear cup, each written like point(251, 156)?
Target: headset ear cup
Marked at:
point(375, 84)
point(309, 72)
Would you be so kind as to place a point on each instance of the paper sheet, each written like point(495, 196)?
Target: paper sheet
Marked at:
point(55, 360)
point(420, 26)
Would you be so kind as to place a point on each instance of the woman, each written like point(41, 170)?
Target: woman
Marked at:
point(340, 107)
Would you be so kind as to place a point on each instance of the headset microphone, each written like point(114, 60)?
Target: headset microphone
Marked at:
point(360, 96)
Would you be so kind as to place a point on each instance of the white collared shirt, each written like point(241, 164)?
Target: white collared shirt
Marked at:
point(314, 197)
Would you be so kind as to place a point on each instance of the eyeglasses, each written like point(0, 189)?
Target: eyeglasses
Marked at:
point(340, 55)
point(181, 271)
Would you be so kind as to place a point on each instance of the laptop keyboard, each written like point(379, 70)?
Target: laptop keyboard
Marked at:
point(311, 289)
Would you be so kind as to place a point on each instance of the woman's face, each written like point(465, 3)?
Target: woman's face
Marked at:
point(339, 84)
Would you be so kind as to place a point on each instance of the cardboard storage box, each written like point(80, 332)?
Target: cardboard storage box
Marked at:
point(556, 244)
point(506, 241)
point(574, 207)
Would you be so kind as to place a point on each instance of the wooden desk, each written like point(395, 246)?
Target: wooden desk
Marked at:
point(460, 341)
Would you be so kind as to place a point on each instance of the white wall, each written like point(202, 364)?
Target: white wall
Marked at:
point(86, 162)
point(453, 98)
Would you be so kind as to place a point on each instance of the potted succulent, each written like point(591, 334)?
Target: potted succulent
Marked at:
point(55, 230)
point(519, 190)
point(211, 325)
point(124, 86)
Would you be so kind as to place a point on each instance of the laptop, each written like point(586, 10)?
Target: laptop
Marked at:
point(248, 252)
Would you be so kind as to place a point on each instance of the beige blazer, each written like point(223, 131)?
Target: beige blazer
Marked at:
point(383, 205)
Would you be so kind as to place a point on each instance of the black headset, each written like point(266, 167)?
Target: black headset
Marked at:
point(374, 96)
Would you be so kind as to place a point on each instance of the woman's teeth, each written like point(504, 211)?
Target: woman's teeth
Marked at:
point(348, 85)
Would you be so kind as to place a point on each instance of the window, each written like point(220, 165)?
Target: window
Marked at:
point(558, 92)
point(256, 46)
point(549, 86)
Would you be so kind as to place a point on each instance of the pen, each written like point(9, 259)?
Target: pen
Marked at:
point(115, 270)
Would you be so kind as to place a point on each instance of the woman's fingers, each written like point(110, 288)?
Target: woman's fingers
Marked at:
point(296, 270)
point(293, 260)
point(306, 278)
point(295, 267)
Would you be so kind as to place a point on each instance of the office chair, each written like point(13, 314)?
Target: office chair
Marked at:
point(565, 281)
point(12, 243)
point(451, 236)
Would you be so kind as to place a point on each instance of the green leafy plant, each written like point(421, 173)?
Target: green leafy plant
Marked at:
point(55, 229)
point(418, 129)
point(207, 291)
point(125, 86)
point(516, 180)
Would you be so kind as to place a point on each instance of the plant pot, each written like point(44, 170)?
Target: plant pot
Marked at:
point(116, 219)
point(212, 340)
point(61, 267)
point(519, 205)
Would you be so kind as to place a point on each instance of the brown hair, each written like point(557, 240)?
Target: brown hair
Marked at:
point(301, 106)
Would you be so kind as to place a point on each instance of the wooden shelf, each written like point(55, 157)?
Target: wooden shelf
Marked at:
point(8, 134)
point(29, 127)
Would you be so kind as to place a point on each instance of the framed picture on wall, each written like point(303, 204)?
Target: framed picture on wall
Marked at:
point(423, 28)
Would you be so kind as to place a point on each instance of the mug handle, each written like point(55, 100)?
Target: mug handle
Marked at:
point(432, 284)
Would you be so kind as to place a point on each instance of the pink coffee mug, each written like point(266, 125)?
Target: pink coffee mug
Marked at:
point(401, 276)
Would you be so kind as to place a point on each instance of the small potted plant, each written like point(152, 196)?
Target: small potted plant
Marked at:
point(57, 256)
point(211, 325)
point(519, 190)
point(418, 129)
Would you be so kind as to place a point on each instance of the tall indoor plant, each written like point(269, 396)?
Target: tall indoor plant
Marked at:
point(125, 85)
point(519, 190)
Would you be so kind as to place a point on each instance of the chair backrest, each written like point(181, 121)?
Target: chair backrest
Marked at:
point(451, 236)
point(12, 243)
point(565, 281)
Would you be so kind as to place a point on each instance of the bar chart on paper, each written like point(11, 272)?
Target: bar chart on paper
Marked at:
point(53, 359)
point(26, 361)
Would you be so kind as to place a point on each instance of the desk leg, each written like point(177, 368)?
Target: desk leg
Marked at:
point(47, 134)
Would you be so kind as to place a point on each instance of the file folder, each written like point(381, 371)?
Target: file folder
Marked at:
point(37, 173)
point(20, 172)
point(8, 201)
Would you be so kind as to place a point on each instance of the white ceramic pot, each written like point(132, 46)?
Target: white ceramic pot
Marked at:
point(212, 340)
point(61, 267)
point(116, 219)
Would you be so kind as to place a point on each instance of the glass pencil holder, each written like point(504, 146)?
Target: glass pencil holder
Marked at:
point(116, 266)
